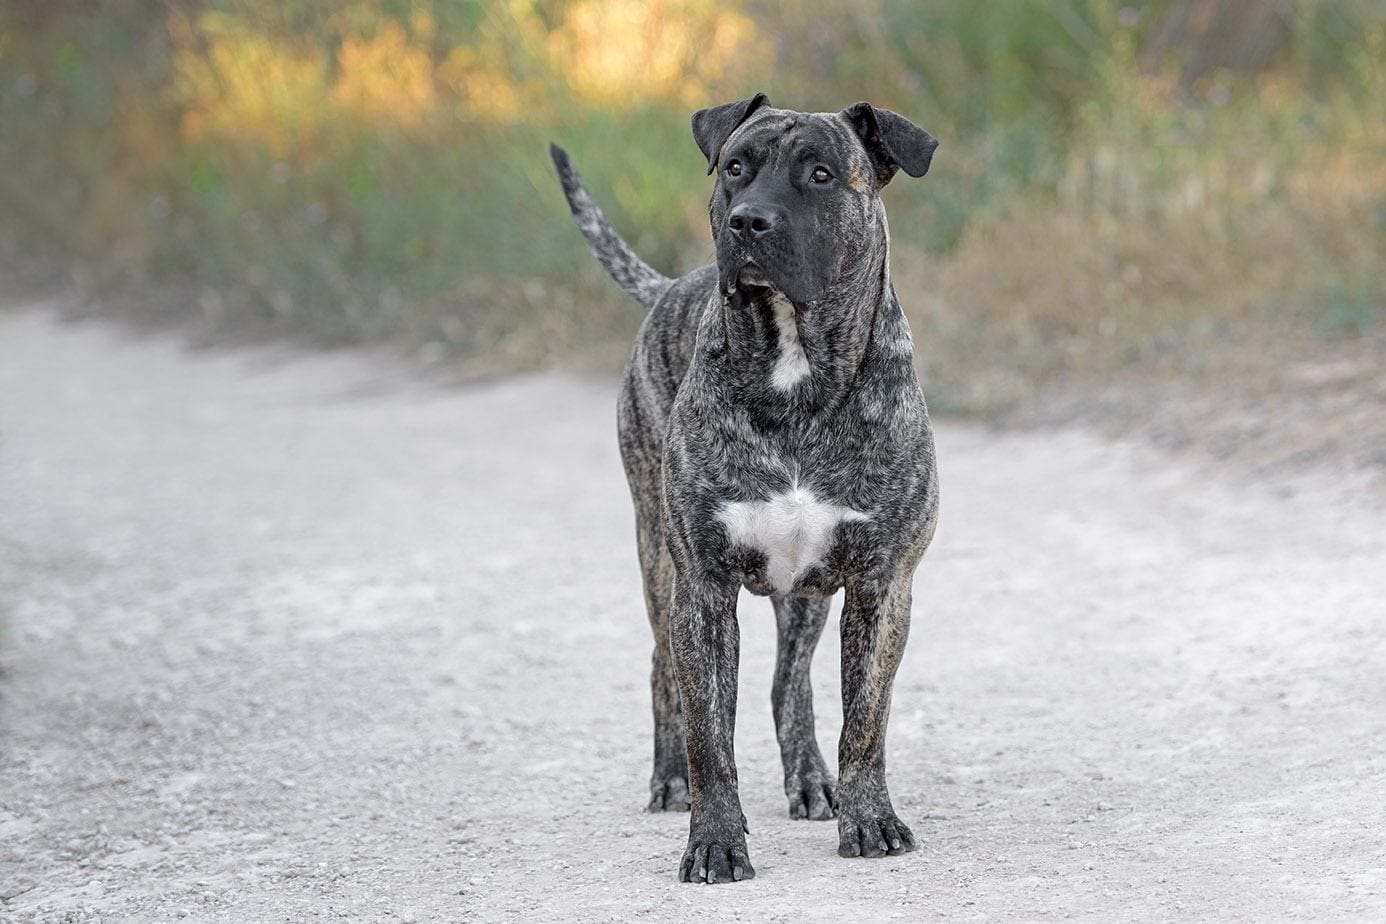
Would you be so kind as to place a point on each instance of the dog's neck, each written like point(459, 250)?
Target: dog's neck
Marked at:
point(807, 354)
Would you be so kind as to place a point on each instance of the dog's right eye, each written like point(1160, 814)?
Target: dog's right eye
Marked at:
point(734, 168)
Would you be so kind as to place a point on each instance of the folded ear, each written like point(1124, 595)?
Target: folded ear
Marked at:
point(712, 127)
point(891, 140)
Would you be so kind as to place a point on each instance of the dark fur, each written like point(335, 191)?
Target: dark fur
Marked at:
point(706, 432)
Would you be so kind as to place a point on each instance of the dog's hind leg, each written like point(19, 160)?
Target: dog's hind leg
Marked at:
point(669, 781)
point(808, 783)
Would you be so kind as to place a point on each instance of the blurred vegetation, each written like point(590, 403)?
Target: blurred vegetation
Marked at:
point(1111, 174)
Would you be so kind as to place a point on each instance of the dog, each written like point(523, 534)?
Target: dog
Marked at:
point(775, 437)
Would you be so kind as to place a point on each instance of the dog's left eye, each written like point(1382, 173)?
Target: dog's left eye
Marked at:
point(821, 175)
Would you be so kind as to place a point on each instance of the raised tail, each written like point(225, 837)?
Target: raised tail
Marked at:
point(630, 272)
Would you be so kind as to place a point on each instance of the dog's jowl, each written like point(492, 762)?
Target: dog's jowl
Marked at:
point(775, 438)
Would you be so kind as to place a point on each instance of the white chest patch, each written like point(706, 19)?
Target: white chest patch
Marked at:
point(791, 529)
point(791, 366)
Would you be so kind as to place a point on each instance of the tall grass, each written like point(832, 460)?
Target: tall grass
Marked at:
point(377, 169)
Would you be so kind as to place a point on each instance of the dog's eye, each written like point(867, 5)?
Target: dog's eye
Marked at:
point(821, 175)
point(734, 168)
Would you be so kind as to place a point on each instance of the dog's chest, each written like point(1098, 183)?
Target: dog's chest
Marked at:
point(793, 530)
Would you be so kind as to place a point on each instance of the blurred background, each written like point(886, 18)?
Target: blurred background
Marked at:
point(1193, 190)
point(294, 630)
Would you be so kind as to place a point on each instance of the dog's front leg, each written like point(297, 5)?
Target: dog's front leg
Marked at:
point(875, 624)
point(705, 641)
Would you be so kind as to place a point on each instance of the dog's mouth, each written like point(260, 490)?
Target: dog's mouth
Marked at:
point(749, 279)
point(752, 275)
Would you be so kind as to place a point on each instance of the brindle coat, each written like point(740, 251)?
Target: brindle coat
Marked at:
point(775, 437)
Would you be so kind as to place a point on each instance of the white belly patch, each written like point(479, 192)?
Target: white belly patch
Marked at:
point(791, 529)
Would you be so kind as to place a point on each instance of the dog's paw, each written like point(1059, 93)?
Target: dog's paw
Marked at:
point(669, 794)
point(714, 858)
point(812, 794)
point(872, 833)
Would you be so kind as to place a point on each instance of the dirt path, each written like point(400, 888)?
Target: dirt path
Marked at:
point(292, 637)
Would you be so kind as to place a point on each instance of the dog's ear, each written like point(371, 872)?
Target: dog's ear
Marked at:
point(712, 127)
point(891, 140)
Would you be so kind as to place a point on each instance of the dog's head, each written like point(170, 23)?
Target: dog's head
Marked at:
point(797, 200)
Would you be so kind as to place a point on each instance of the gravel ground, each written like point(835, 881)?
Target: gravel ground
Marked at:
point(290, 636)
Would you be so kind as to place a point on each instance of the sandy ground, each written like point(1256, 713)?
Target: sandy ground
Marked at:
point(291, 637)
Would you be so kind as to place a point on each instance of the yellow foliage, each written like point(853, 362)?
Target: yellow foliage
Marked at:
point(237, 83)
point(386, 78)
point(246, 85)
point(487, 93)
point(618, 51)
point(486, 85)
point(609, 53)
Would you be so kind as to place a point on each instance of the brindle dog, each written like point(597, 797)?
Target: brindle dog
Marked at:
point(775, 437)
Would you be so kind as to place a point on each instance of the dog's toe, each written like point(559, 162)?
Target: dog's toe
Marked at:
point(822, 802)
point(814, 799)
point(670, 795)
point(714, 863)
point(874, 836)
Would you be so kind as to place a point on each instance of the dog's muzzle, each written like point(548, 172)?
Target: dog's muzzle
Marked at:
point(750, 246)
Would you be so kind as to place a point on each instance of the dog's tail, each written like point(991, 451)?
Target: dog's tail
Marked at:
point(631, 273)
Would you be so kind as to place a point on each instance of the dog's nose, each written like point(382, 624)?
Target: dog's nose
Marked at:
point(749, 221)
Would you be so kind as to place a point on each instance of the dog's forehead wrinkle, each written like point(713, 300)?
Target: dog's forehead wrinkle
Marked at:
point(774, 133)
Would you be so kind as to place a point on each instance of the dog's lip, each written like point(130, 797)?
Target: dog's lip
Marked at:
point(751, 284)
point(740, 270)
point(744, 274)
point(752, 273)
